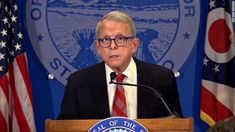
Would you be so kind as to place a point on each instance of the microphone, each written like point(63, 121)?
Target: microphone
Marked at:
point(155, 92)
point(112, 77)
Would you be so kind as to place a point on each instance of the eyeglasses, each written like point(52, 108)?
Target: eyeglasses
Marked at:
point(119, 41)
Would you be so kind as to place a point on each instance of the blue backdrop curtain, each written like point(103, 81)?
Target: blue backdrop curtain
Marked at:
point(48, 93)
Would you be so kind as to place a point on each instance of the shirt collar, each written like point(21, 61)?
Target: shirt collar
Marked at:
point(130, 71)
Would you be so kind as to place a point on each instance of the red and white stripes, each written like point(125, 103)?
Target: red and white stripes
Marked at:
point(16, 98)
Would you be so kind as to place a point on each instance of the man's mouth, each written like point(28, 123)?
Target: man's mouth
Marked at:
point(113, 56)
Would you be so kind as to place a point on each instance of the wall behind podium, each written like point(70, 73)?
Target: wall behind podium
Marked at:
point(60, 34)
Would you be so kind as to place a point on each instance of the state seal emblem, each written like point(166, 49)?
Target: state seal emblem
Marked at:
point(62, 32)
point(118, 124)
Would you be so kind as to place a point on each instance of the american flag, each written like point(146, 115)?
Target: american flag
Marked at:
point(218, 78)
point(16, 101)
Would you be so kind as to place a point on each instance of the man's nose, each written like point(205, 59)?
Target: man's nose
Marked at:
point(113, 44)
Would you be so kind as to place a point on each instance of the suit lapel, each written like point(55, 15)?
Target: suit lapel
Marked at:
point(142, 97)
point(99, 86)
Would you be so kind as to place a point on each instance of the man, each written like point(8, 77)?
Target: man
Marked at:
point(88, 94)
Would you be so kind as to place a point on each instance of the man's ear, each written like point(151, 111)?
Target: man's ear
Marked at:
point(136, 44)
point(97, 46)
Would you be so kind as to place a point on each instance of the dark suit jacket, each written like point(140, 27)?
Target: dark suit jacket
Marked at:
point(86, 95)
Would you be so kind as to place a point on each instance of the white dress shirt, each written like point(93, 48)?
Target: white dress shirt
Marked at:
point(130, 91)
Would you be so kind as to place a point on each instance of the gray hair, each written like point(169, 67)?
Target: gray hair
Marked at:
point(119, 17)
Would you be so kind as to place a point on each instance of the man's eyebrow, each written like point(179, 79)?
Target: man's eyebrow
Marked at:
point(119, 34)
point(106, 36)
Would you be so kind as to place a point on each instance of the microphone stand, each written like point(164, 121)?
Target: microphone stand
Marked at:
point(150, 88)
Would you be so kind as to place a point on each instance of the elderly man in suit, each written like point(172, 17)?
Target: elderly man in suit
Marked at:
point(88, 93)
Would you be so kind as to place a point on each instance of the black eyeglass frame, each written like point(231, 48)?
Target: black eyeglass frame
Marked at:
point(100, 40)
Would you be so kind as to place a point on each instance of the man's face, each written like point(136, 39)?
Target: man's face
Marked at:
point(118, 58)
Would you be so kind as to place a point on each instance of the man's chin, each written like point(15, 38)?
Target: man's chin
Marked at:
point(115, 62)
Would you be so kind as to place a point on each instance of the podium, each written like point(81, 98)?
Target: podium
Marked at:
point(153, 125)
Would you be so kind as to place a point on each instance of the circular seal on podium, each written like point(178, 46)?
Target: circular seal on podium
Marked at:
point(118, 124)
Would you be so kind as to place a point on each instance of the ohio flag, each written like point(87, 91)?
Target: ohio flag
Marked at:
point(16, 101)
point(218, 78)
